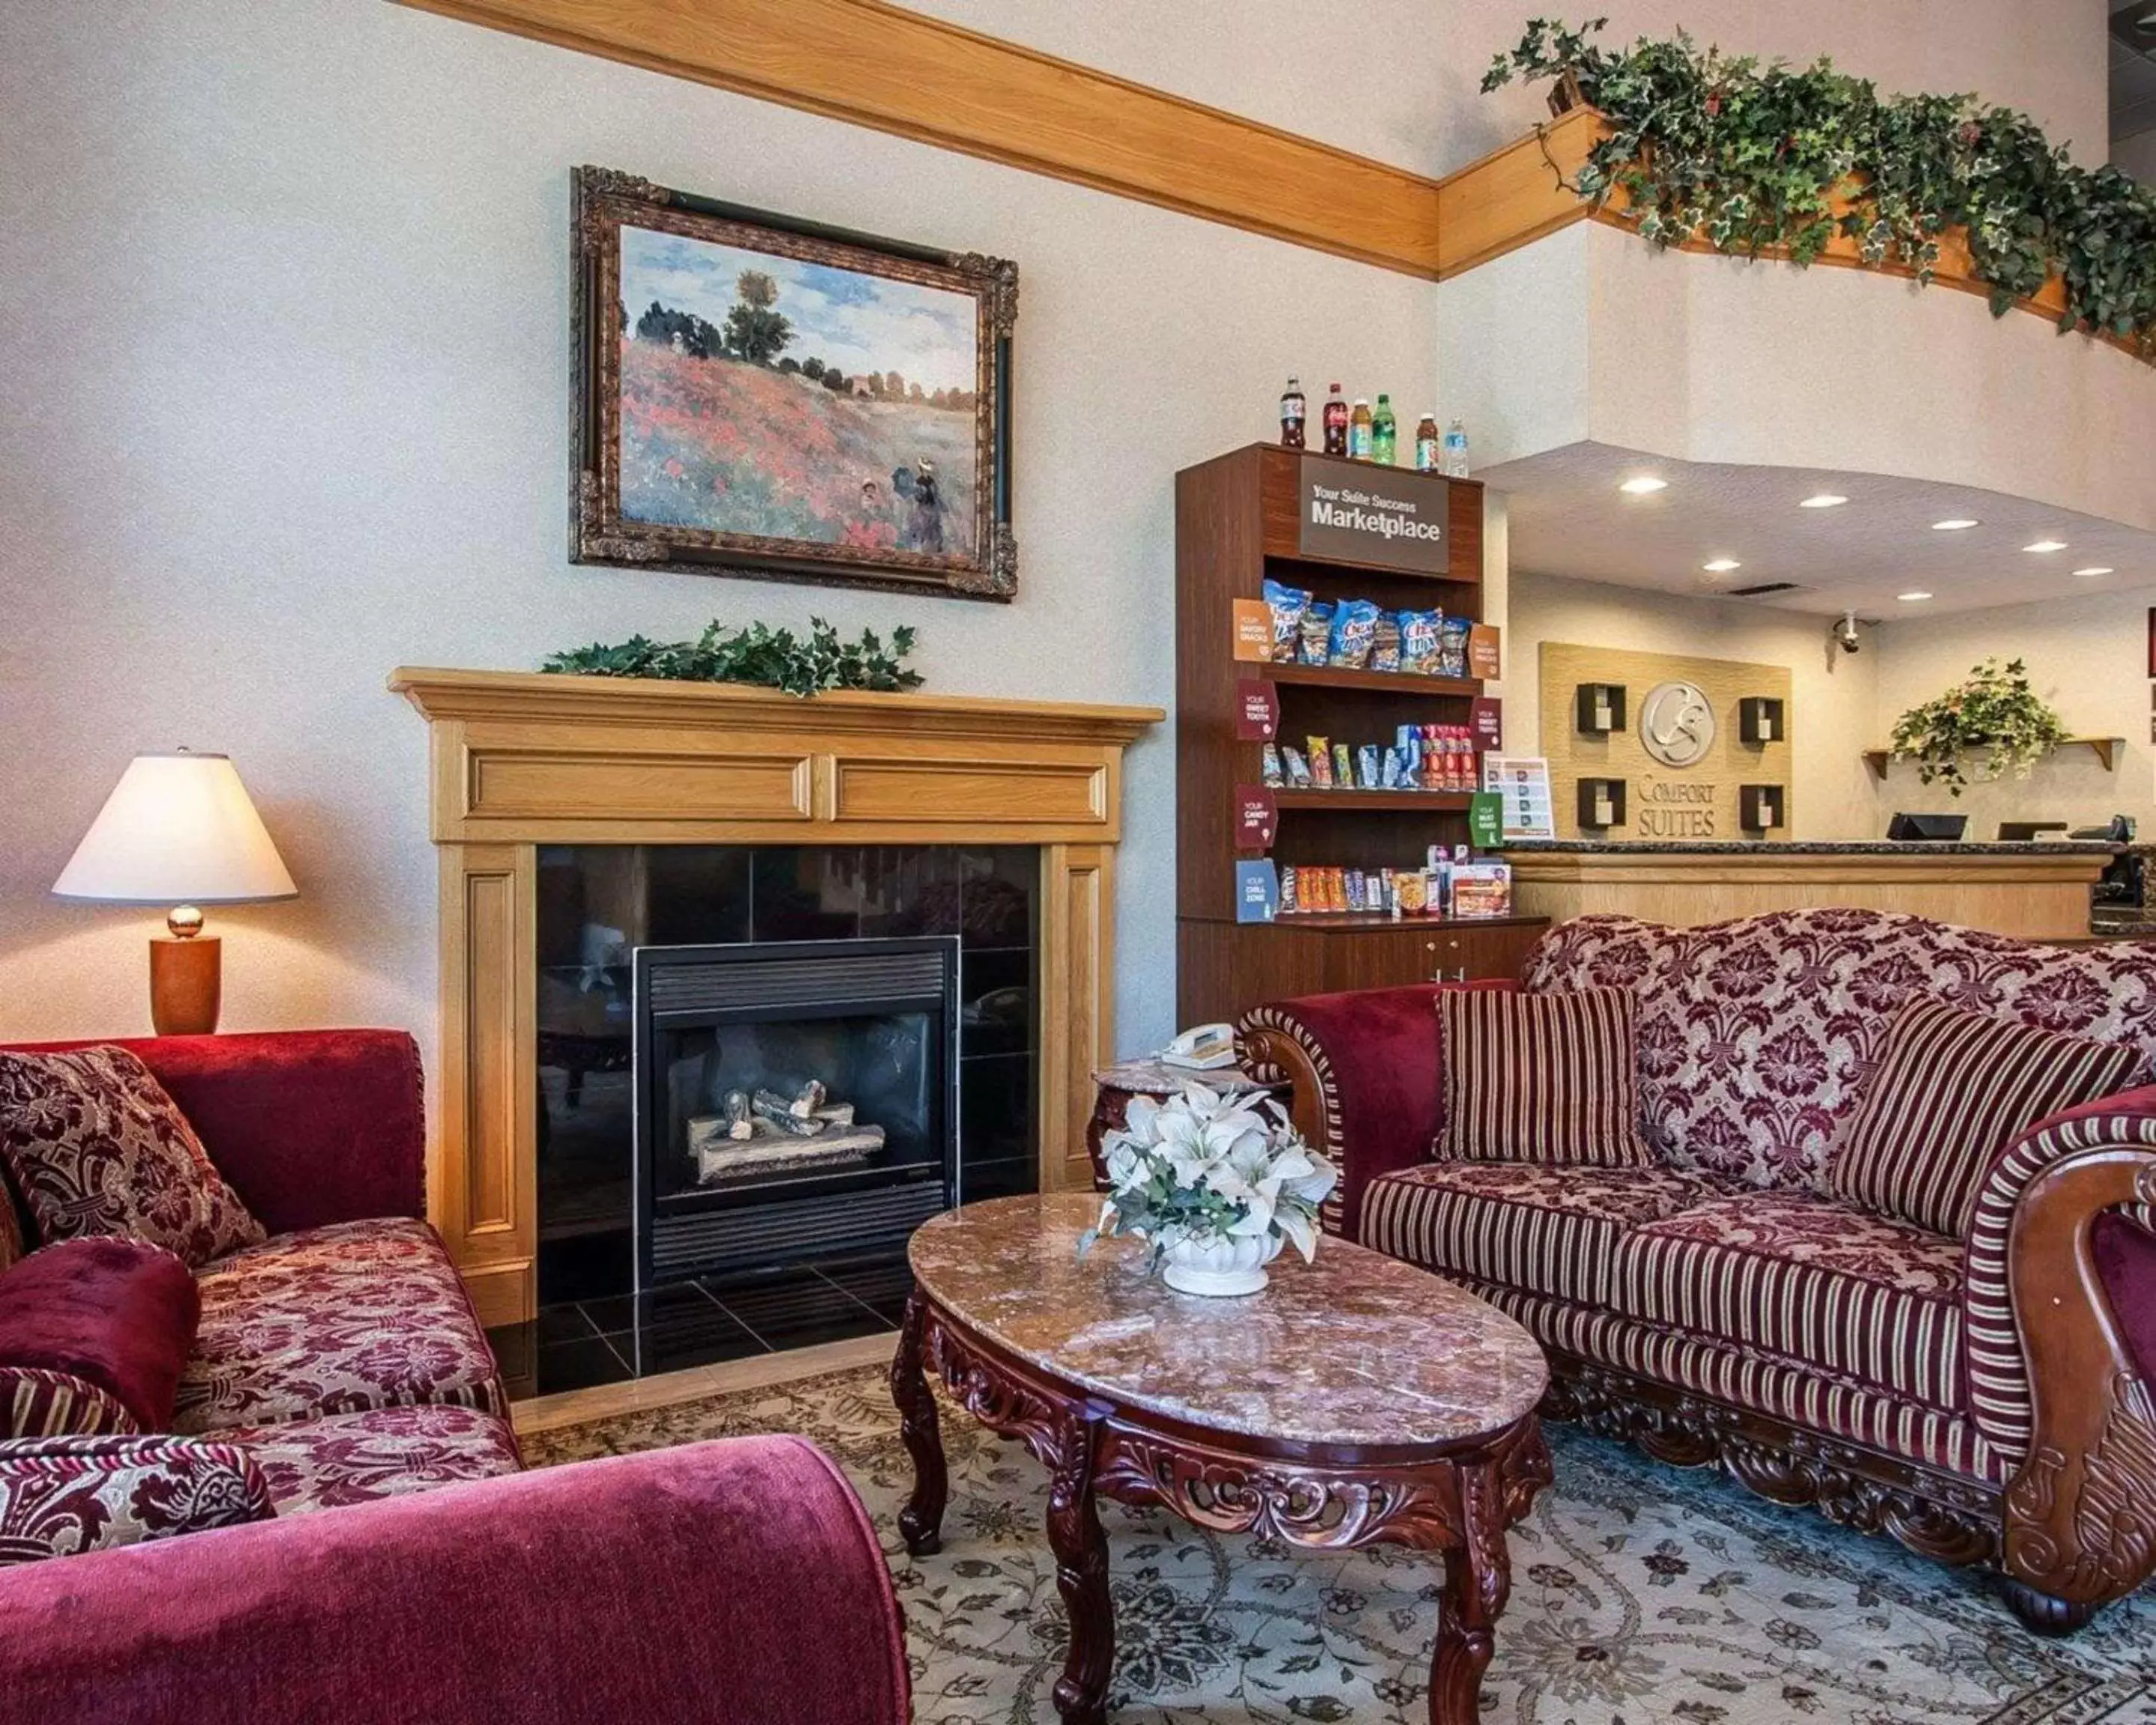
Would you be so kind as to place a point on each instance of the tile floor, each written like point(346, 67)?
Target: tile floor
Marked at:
point(581, 1344)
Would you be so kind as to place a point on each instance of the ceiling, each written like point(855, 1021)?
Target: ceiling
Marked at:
point(2133, 71)
point(1568, 518)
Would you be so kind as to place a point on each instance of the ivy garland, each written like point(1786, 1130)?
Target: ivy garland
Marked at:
point(1995, 713)
point(776, 658)
point(1752, 158)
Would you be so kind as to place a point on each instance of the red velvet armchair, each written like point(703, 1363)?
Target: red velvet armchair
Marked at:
point(1984, 1400)
point(737, 1581)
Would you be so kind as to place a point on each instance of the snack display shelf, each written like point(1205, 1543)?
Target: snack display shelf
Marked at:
point(1329, 676)
point(1414, 802)
point(1361, 922)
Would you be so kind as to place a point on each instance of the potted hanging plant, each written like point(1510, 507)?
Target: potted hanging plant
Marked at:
point(1980, 730)
point(1215, 1185)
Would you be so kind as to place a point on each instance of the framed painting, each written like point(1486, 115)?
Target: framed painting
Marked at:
point(764, 396)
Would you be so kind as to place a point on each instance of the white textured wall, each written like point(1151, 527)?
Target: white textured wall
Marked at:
point(1834, 697)
point(1399, 79)
point(2088, 657)
point(283, 362)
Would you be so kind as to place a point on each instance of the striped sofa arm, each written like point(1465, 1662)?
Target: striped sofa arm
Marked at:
point(2060, 1305)
point(1364, 1066)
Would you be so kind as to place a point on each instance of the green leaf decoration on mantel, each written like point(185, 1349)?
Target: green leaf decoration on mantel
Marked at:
point(771, 658)
point(1751, 157)
point(1980, 730)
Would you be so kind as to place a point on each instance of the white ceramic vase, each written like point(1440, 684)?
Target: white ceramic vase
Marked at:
point(1234, 1265)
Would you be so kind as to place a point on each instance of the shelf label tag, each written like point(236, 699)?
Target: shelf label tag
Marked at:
point(1257, 710)
point(1254, 630)
point(1257, 892)
point(1257, 818)
point(1486, 718)
point(1483, 658)
point(1486, 820)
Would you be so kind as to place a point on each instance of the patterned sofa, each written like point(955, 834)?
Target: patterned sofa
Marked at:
point(1985, 1399)
point(338, 1366)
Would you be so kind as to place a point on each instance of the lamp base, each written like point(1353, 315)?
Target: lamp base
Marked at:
point(186, 985)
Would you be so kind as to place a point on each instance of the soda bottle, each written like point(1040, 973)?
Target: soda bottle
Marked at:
point(1453, 463)
point(1384, 433)
point(1359, 431)
point(1426, 445)
point(1336, 423)
point(1291, 413)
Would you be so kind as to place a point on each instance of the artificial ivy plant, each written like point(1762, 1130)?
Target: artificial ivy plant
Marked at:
point(773, 658)
point(1751, 156)
point(1983, 729)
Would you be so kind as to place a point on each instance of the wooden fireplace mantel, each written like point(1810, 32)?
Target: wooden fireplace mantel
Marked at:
point(523, 759)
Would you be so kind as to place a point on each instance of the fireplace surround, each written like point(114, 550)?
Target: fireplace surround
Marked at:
point(522, 760)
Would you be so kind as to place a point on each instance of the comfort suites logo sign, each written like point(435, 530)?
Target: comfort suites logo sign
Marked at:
point(1359, 513)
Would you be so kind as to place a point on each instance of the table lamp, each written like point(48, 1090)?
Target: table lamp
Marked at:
point(178, 830)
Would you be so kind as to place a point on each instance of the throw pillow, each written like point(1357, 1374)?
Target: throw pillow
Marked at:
point(95, 1147)
point(1545, 1078)
point(1950, 1090)
point(60, 1497)
point(94, 1335)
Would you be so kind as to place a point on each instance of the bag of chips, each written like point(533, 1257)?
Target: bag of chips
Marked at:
point(1296, 766)
point(1421, 642)
point(1270, 761)
point(1452, 650)
point(1287, 604)
point(1343, 767)
point(1320, 764)
point(1354, 632)
point(1315, 641)
point(1385, 647)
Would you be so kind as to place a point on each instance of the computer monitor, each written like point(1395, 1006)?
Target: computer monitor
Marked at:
point(2019, 832)
point(1921, 828)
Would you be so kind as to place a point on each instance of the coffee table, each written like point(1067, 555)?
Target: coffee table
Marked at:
point(1355, 1400)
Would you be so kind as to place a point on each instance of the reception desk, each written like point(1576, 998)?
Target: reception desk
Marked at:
point(2037, 892)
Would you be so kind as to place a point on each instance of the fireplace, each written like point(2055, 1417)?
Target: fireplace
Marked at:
point(904, 978)
point(794, 1099)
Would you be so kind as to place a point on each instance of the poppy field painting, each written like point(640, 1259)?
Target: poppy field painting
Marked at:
point(764, 397)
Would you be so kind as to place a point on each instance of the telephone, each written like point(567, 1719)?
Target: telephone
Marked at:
point(1202, 1048)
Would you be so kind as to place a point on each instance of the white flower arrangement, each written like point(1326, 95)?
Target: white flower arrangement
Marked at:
point(1204, 1170)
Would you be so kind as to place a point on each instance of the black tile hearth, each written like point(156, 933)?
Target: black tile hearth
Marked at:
point(581, 1344)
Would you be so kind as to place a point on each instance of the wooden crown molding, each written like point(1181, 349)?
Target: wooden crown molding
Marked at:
point(878, 66)
point(545, 696)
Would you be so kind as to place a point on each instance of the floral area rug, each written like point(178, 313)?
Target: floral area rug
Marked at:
point(1640, 1594)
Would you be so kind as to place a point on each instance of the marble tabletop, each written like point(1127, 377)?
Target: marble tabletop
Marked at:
point(1356, 1349)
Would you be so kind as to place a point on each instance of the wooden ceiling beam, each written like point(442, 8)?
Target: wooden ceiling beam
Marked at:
point(878, 66)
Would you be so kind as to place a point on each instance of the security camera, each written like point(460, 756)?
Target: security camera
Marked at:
point(1844, 634)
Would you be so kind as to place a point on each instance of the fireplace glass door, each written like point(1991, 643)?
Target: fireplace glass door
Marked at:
point(794, 1098)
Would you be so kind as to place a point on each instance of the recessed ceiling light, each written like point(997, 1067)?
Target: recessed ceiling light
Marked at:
point(2095, 569)
point(1644, 485)
point(1721, 566)
point(1955, 525)
point(1825, 500)
point(1911, 599)
point(2045, 545)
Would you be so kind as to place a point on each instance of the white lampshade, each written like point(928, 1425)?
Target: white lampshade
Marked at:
point(177, 829)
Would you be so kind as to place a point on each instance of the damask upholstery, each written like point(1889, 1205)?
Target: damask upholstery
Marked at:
point(345, 1459)
point(114, 1315)
point(1808, 1279)
point(1544, 1078)
point(96, 1147)
point(335, 1320)
point(308, 1126)
point(1555, 1229)
point(65, 1496)
point(1755, 1035)
point(1950, 1088)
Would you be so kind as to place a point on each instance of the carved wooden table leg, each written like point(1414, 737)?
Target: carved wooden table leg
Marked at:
point(1478, 1577)
point(1081, 1573)
point(920, 1522)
